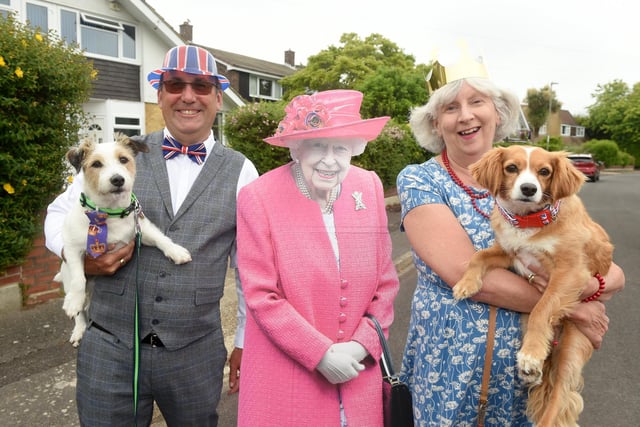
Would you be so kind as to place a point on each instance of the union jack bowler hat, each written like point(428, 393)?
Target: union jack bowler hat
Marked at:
point(189, 59)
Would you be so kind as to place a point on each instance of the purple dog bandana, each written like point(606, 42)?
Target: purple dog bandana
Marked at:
point(97, 235)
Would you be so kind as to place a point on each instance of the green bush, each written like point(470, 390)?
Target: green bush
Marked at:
point(246, 127)
point(388, 154)
point(43, 83)
point(624, 159)
point(602, 150)
point(555, 143)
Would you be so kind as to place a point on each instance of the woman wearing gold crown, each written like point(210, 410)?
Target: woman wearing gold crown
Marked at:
point(314, 255)
point(445, 215)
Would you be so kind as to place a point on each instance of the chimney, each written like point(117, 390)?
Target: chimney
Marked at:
point(290, 57)
point(186, 31)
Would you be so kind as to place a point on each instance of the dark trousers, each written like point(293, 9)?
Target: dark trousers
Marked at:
point(185, 383)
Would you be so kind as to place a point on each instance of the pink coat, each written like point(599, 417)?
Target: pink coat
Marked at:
point(299, 302)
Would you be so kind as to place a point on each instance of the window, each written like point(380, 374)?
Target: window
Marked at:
point(266, 87)
point(69, 26)
point(580, 131)
point(129, 126)
point(129, 41)
point(106, 37)
point(38, 17)
point(95, 132)
point(5, 8)
point(565, 130)
point(262, 87)
point(98, 37)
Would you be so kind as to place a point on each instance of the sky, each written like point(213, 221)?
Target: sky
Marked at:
point(579, 44)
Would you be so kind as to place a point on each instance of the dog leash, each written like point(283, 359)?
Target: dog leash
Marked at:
point(486, 372)
point(136, 329)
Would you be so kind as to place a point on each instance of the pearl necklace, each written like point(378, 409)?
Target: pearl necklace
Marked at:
point(458, 181)
point(302, 186)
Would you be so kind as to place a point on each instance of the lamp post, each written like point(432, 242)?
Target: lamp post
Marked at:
point(549, 116)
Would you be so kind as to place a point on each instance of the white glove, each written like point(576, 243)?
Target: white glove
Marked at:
point(338, 367)
point(353, 348)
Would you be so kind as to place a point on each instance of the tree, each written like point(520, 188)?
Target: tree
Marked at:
point(346, 66)
point(43, 83)
point(616, 116)
point(626, 130)
point(538, 107)
point(607, 108)
point(393, 91)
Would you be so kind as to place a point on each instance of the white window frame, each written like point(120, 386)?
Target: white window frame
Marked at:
point(254, 87)
point(103, 22)
point(5, 9)
point(565, 130)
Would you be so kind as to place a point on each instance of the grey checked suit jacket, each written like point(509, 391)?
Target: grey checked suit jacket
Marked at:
point(181, 303)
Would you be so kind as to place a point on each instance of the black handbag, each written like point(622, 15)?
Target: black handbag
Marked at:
point(396, 397)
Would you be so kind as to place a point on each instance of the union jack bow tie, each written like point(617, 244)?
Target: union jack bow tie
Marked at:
point(171, 147)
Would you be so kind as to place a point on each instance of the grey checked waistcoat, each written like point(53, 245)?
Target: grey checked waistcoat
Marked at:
point(181, 303)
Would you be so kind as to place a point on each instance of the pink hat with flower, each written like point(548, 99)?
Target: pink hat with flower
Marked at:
point(328, 114)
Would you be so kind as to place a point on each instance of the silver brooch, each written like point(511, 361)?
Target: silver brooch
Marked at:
point(357, 196)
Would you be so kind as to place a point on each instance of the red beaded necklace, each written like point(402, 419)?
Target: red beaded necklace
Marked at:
point(458, 181)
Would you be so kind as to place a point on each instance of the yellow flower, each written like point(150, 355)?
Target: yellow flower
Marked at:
point(19, 72)
point(24, 182)
point(70, 179)
point(8, 188)
point(94, 74)
point(2, 63)
point(39, 37)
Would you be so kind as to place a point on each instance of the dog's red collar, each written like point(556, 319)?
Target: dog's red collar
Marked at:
point(537, 219)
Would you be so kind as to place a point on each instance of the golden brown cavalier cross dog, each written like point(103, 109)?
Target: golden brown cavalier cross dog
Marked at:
point(539, 216)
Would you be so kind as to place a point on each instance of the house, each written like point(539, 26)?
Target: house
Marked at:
point(570, 131)
point(125, 39)
point(252, 78)
point(565, 126)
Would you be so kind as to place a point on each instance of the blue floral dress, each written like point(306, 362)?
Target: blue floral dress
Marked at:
point(444, 355)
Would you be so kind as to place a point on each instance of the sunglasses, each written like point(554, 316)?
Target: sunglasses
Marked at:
point(199, 86)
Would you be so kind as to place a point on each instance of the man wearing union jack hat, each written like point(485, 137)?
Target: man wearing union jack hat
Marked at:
point(187, 184)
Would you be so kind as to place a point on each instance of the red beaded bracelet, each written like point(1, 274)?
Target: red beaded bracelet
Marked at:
point(597, 294)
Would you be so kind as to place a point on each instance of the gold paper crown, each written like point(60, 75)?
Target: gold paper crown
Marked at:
point(464, 68)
